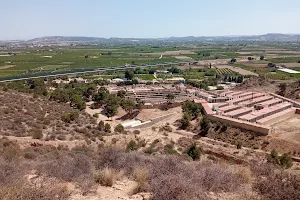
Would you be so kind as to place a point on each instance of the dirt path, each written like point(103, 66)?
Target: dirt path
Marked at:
point(119, 191)
point(6, 66)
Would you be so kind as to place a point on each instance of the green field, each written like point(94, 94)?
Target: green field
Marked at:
point(271, 73)
point(63, 59)
point(59, 59)
point(225, 71)
point(146, 77)
point(285, 60)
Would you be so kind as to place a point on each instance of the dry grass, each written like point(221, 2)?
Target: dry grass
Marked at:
point(164, 176)
point(141, 176)
point(27, 116)
point(244, 172)
point(279, 186)
point(107, 176)
point(67, 168)
point(26, 191)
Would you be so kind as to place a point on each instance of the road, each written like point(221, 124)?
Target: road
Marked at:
point(82, 71)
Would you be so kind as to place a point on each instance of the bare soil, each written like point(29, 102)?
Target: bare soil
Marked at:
point(258, 84)
point(288, 129)
point(6, 66)
point(182, 57)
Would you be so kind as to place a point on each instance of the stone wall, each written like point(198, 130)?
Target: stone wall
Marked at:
point(263, 130)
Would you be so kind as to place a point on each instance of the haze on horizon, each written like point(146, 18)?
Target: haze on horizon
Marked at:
point(146, 19)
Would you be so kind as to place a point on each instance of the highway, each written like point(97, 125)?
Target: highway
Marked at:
point(82, 71)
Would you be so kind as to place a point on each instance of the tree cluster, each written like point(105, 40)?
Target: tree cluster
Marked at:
point(174, 70)
point(192, 109)
point(235, 79)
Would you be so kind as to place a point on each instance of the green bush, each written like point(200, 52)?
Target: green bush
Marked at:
point(169, 149)
point(193, 109)
point(132, 146)
point(285, 160)
point(150, 150)
point(101, 126)
point(68, 117)
point(194, 152)
point(204, 123)
point(119, 128)
point(185, 121)
point(107, 128)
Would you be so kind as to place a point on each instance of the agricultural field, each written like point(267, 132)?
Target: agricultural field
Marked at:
point(237, 70)
point(225, 71)
point(25, 61)
point(62, 59)
point(271, 73)
point(146, 77)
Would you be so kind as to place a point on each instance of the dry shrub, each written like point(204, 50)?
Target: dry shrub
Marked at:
point(30, 154)
point(244, 172)
point(107, 176)
point(278, 185)
point(141, 176)
point(168, 187)
point(67, 168)
point(61, 137)
point(86, 183)
point(37, 134)
point(171, 172)
point(10, 172)
point(191, 177)
point(25, 191)
point(9, 150)
point(119, 160)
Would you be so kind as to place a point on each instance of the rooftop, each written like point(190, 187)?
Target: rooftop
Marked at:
point(257, 99)
point(266, 119)
point(239, 111)
point(267, 103)
point(264, 111)
point(225, 108)
point(255, 95)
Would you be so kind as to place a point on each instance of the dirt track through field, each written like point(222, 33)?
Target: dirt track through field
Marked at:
point(6, 66)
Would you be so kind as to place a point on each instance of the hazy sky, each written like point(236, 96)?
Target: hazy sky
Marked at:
point(26, 19)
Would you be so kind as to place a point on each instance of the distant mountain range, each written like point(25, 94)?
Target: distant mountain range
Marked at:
point(270, 37)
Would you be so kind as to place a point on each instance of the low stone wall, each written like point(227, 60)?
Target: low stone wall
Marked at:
point(263, 130)
point(295, 103)
point(153, 121)
point(161, 105)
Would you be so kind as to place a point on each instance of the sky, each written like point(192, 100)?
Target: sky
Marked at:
point(27, 19)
